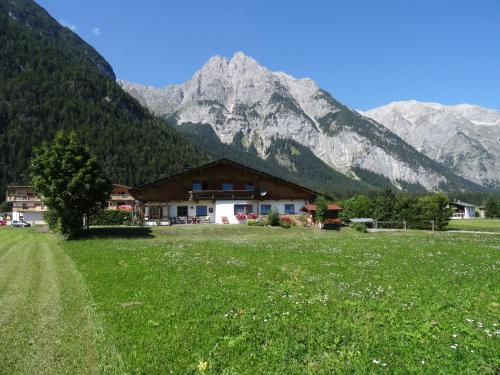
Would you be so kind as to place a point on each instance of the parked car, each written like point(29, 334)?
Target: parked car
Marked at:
point(20, 223)
point(3, 222)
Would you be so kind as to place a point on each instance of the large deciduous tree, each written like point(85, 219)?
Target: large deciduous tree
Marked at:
point(71, 182)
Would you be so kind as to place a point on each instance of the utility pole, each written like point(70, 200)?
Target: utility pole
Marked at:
point(432, 222)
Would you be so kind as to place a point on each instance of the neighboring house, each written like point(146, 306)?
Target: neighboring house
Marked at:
point(28, 206)
point(216, 192)
point(121, 199)
point(462, 210)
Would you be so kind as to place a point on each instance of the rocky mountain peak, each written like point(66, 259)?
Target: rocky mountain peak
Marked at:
point(464, 137)
point(247, 104)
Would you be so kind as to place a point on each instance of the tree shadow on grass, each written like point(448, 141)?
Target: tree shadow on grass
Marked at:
point(115, 232)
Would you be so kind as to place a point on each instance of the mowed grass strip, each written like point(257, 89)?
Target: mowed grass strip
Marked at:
point(46, 322)
point(484, 225)
point(236, 299)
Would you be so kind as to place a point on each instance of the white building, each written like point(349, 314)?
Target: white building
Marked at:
point(26, 204)
point(462, 210)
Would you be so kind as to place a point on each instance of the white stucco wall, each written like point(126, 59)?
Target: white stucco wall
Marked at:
point(469, 213)
point(280, 205)
point(226, 208)
point(34, 218)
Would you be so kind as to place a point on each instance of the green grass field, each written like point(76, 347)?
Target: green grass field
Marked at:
point(485, 225)
point(248, 300)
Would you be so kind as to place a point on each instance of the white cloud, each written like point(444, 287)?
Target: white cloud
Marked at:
point(68, 25)
point(96, 31)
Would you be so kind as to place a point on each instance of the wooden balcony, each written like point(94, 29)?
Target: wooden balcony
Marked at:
point(196, 195)
point(120, 197)
point(23, 198)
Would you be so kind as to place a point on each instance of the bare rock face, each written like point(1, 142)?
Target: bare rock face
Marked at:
point(465, 138)
point(238, 96)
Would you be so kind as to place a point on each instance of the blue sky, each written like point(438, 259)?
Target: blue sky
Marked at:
point(366, 53)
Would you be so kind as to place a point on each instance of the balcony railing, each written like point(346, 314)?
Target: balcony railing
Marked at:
point(120, 197)
point(222, 194)
point(22, 198)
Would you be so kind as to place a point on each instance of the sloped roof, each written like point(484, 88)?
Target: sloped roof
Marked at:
point(330, 207)
point(463, 204)
point(219, 161)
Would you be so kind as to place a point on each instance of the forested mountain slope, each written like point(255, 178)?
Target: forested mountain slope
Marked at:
point(52, 80)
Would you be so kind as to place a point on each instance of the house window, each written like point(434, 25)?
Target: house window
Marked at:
point(201, 210)
point(249, 186)
point(227, 186)
point(289, 208)
point(243, 209)
point(182, 211)
point(197, 186)
point(265, 209)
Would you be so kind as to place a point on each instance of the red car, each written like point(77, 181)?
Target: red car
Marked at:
point(2, 222)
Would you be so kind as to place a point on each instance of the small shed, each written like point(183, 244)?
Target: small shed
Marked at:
point(331, 215)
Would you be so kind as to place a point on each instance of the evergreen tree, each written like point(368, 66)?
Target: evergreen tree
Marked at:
point(435, 208)
point(493, 207)
point(384, 205)
point(71, 183)
point(321, 207)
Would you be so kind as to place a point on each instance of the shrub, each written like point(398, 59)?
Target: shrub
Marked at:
point(286, 219)
point(251, 222)
point(303, 219)
point(285, 224)
point(252, 216)
point(262, 223)
point(112, 217)
point(50, 218)
point(273, 219)
point(360, 227)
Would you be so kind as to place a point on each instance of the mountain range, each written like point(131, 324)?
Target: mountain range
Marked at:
point(246, 105)
point(465, 138)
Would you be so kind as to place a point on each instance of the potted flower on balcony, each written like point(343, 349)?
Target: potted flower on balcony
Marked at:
point(241, 217)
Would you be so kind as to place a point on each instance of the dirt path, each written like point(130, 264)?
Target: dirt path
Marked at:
point(47, 325)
